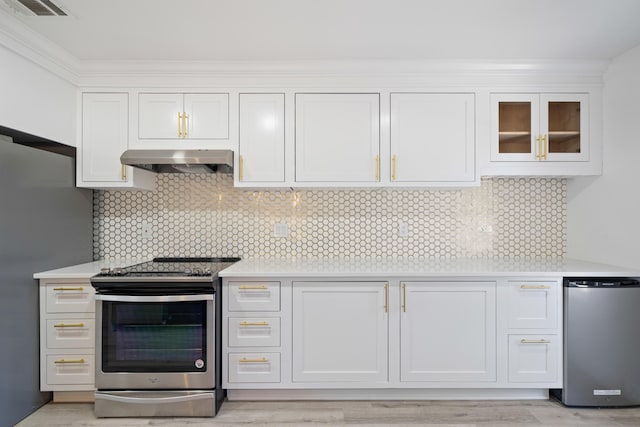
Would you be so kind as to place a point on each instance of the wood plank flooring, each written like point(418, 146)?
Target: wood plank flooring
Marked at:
point(356, 413)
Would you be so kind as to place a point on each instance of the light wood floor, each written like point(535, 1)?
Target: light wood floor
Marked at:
point(353, 413)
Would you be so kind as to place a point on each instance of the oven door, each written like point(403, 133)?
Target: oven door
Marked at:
point(155, 342)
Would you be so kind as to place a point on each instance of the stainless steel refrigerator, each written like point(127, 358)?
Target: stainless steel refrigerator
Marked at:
point(45, 223)
point(601, 342)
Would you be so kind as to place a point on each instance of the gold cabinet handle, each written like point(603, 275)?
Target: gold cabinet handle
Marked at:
point(179, 129)
point(404, 297)
point(248, 287)
point(69, 325)
point(394, 165)
point(123, 173)
point(63, 361)
point(261, 360)
point(543, 341)
point(377, 160)
point(68, 289)
point(185, 130)
point(535, 287)
point(545, 146)
point(539, 150)
point(254, 323)
point(386, 297)
point(241, 167)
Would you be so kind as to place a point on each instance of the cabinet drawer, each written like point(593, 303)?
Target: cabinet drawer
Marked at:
point(254, 332)
point(71, 333)
point(254, 296)
point(533, 358)
point(254, 367)
point(533, 304)
point(70, 369)
point(70, 298)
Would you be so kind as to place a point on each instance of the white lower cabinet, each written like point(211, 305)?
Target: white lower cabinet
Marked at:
point(67, 335)
point(254, 367)
point(472, 334)
point(448, 331)
point(340, 332)
point(533, 358)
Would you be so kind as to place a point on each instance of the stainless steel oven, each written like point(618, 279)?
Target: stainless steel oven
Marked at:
point(158, 339)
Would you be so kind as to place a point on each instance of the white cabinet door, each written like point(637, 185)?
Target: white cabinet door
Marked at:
point(207, 115)
point(337, 137)
point(340, 332)
point(564, 125)
point(105, 127)
point(448, 331)
point(158, 115)
point(432, 137)
point(534, 358)
point(261, 137)
point(515, 123)
point(546, 127)
point(162, 116)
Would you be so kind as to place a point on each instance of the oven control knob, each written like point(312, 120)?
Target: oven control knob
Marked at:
point(188, 272)
point(197, 272)
point(105, 270)
point(118, 271)
point(207, 272)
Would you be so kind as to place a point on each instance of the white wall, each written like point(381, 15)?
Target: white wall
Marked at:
point(36, 101)
point(603, 214)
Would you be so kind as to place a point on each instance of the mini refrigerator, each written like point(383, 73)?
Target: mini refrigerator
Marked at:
point(601, 342)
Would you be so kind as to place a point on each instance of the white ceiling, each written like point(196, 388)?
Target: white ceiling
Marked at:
point(342, 29)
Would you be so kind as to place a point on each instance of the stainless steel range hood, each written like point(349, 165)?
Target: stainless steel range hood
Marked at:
point(180, 161)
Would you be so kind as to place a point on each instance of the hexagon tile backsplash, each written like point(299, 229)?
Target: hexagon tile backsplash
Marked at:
point(203, 215)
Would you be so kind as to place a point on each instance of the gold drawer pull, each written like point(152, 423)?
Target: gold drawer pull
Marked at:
point(69, 325)
point(261, 360)
point(259, 287)
point(62, 361)
point(254, 323)
point(535, 287)
point(525, 341)
point(68, 289)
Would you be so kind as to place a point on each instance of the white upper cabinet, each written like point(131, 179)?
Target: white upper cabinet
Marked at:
point(432, 138)
point(543, 127)
point(191, 116)
point(105, 127)
point(261, 140)
point(337, 138)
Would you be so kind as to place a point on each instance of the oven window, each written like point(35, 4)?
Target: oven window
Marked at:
point(154, 336)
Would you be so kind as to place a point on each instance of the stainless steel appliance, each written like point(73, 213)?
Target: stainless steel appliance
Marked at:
point(180, 161)
point(45, 223)
point(601, 342)
point(158, 338)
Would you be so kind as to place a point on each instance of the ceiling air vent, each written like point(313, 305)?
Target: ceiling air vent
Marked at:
point(42, 7)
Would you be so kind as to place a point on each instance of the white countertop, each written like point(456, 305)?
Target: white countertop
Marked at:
point(360, 267)
point(403, 267)
point(84, 271)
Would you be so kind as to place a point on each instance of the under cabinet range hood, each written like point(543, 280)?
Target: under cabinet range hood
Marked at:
point(180, 161)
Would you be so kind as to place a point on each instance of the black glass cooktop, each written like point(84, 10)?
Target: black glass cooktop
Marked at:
point(163, 269)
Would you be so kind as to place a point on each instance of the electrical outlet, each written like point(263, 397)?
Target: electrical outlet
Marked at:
point(281, 230)
point(486, 228)
point(403, 229)
point(146, 231)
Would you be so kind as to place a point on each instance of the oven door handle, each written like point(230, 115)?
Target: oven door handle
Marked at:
point(154, 298)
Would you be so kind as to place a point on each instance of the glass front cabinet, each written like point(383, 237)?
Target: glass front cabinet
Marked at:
point(539, 127)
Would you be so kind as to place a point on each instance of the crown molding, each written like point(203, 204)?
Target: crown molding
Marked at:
point(19, 38)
